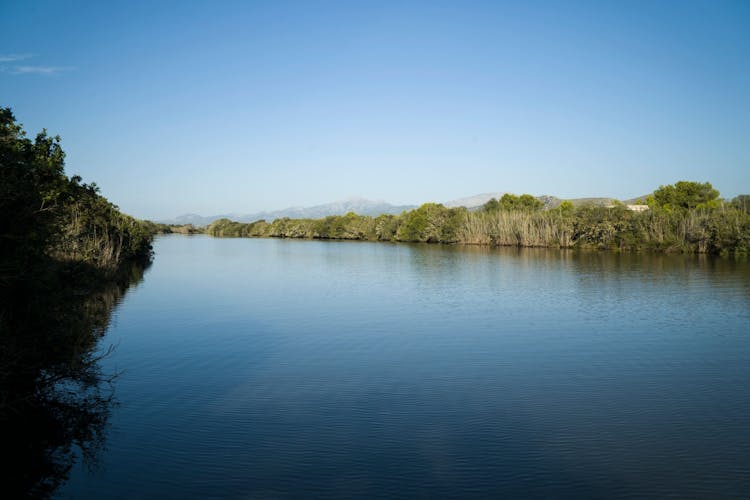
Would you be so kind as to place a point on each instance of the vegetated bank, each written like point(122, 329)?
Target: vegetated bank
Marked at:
point(687, 217)
point(187, 229)
point(67, 256)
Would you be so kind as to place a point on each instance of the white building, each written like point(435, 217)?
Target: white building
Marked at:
point(637, 208)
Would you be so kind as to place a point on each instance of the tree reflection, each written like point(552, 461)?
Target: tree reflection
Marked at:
point(55, 400)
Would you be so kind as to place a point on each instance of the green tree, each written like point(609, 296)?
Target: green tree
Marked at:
point(509, 202)
point(492, 205)
point(685, 195)
point(32, 185)
point(431, 222)
point(45, 214)
point(530, 203)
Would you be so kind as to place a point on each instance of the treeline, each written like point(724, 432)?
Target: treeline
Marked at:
point(160, 228)
point(686, 217)
point(67, 255)
point(44, 214)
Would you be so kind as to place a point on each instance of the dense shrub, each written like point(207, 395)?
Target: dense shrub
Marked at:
point(710, 226)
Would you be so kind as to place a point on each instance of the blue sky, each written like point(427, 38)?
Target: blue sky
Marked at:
point(214, 107)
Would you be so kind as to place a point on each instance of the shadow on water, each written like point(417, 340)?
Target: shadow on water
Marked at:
point(54, 398)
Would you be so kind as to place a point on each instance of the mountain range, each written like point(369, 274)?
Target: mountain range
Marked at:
point(359, 206)
point(363, 206)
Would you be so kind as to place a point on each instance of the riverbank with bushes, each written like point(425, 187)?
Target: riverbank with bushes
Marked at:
point(697, 223)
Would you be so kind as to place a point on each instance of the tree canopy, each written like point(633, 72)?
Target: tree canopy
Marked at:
point(509, 202)
point(43, 213)
point(686, 195)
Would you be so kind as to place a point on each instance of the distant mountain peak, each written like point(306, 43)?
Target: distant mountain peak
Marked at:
point(473, 201)
point(359, 205)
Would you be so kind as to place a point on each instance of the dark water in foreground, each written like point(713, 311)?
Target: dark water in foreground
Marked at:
point(272, 368)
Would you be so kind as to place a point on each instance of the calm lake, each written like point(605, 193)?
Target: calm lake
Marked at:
point(261, 368)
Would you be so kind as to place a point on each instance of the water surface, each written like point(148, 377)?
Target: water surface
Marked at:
point(258, 368)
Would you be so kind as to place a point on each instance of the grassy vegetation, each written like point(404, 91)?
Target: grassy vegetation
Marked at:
point(687, 217)
point(155, 228)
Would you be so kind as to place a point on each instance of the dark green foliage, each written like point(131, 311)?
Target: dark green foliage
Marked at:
point(685, 195)
point(32, 185)
point(492, 205)
point(431, 223)
point(44, 213)
point(525, 202)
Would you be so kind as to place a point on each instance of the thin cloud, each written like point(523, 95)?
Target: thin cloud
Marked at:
point(13, 57)
point(27, 69)
point(39, 70)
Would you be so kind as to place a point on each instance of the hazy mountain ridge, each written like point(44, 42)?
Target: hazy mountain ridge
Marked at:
point(359, 206)
point(362, 206)
point(473, 201)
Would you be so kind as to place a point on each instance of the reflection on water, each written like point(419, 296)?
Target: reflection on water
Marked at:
point(270, 368)
point(55, 400)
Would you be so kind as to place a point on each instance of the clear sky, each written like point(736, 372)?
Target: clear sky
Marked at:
point(215, 107)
